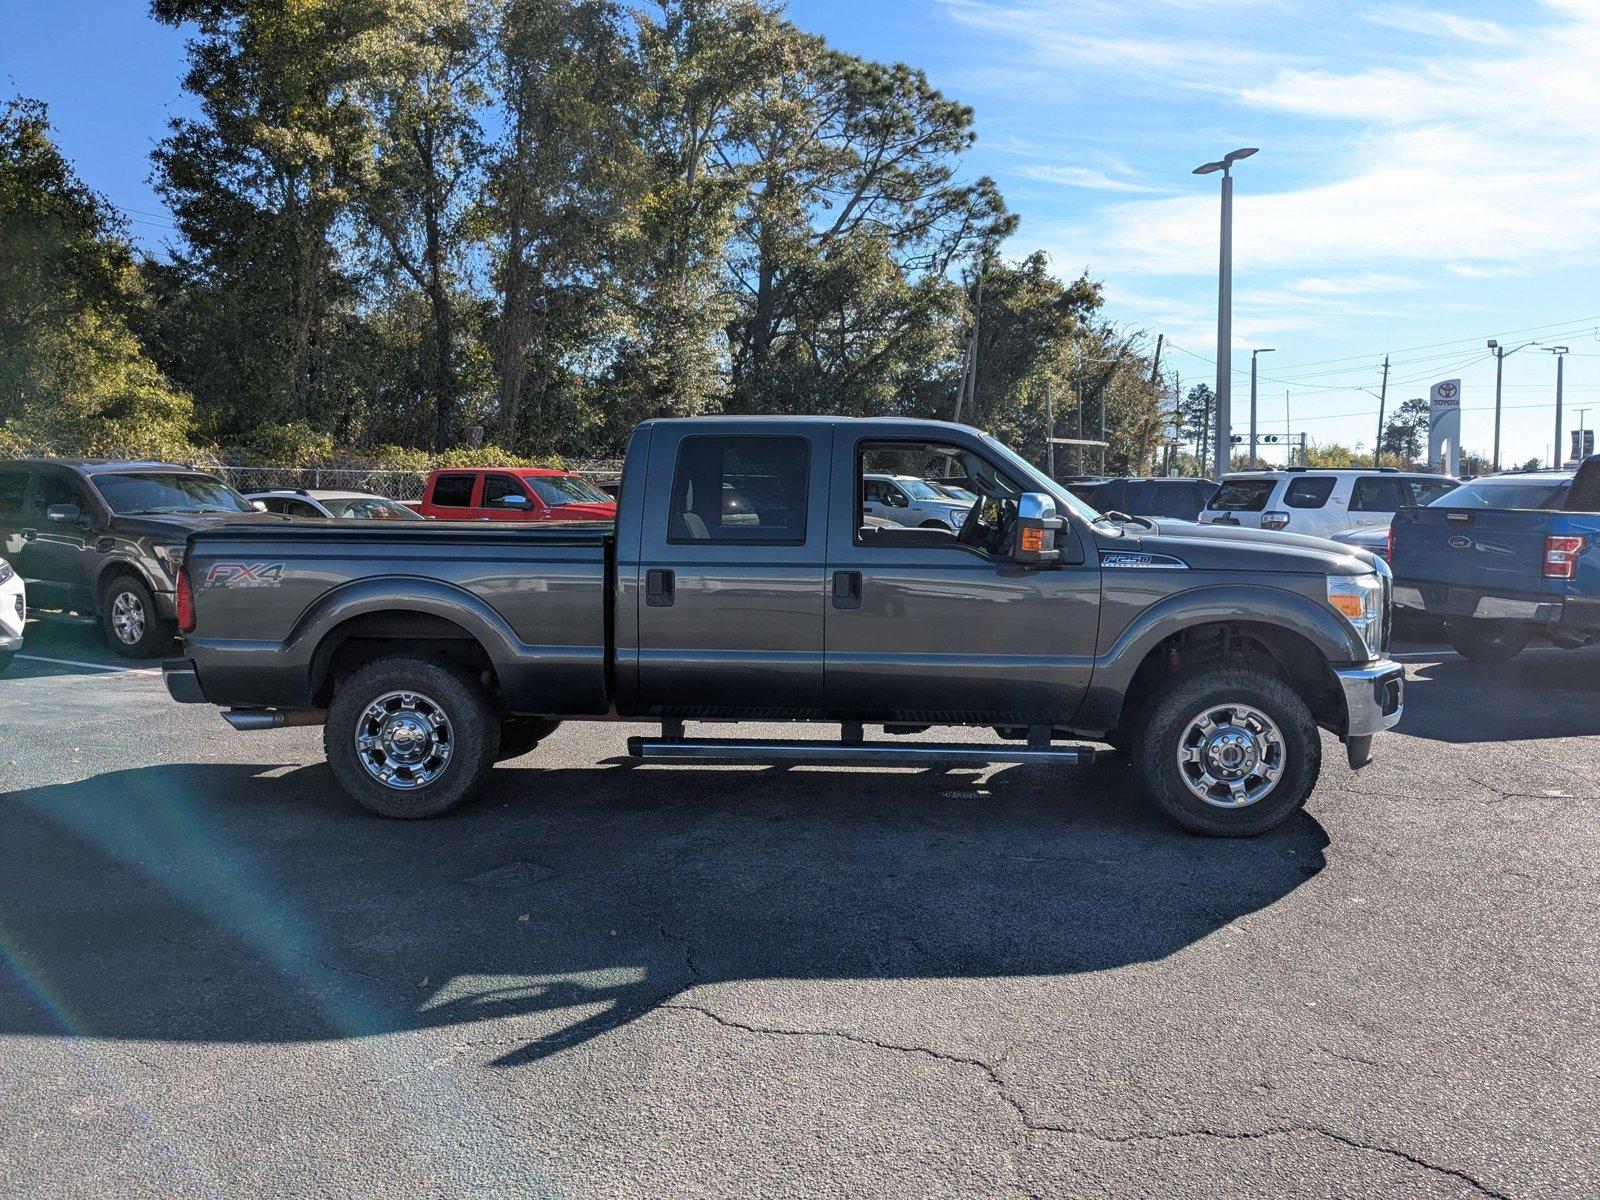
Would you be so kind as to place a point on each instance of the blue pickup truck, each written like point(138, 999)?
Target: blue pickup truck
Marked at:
point(1504, 557)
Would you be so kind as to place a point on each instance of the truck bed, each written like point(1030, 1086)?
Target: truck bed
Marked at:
point(537, 595)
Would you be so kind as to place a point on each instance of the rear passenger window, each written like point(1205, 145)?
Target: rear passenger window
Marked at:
point(1376, 495)
point(497, 487)
point(1308, 491)
point(13, 489)
point(743, 490)
point(1173, 500)
point(1420, 493)
point(453, 491)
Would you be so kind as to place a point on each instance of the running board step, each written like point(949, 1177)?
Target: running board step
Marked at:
point(912, 754)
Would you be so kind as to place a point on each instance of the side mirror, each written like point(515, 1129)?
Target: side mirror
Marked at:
point(513, 500)
point(1033, 540)
point(897, 500)
point(66, 514)
point(259, 505)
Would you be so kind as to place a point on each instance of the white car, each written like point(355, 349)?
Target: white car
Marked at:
point(328, 503)
point(909, 501)
point(1320, 503)
point(13, 613)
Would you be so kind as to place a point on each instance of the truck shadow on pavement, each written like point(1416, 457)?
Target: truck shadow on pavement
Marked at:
point(1542, 693)
point(228, 903)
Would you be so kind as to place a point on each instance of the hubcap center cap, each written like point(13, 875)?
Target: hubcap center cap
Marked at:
point(407, 738)
point(1232, 753)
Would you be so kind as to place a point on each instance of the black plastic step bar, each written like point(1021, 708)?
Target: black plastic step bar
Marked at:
point(851, 747)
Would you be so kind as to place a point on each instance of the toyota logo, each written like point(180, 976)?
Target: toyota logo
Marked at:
point(1460, 543)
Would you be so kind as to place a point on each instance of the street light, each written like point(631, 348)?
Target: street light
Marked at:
point(1500, 355)
point(1557, 458)
point(1225, 304)
point(1253, 353)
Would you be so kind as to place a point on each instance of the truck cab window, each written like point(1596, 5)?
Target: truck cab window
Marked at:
point(453, 491)
point(495, 490)
point(740, 490)
point(980, 517)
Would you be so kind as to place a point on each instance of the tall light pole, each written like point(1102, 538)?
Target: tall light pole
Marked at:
point(1560, 352)
point(1253, 353)
point(1225, 306)
point(1500, 356)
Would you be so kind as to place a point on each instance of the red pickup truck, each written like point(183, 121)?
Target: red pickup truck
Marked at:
point(514, 494)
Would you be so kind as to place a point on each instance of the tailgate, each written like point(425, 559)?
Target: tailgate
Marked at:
point(1494, 551)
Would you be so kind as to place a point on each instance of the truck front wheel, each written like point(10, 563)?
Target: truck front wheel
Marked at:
point(411, 738)
point(1487, 641)
point(1229, 752)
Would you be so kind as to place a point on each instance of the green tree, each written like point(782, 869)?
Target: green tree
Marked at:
point(73, 377)
point(1405, 433)
point(1195, 420)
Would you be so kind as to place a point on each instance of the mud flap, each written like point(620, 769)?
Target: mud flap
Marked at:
point(1359, 750)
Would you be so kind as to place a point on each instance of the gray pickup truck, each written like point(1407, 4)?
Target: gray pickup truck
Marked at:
point(431, 651)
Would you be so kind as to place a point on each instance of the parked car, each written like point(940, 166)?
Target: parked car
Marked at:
point(1505, 557)
point(1320, 503)
point(514, 494)
point(105, 538)
point(13, 613)
point(912, 502)
point(331, 504)
point(429, 651)
point(1149, 497)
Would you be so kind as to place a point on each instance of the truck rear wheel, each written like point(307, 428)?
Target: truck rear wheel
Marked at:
point(519, 735)
point(410, 738)
point(1229, 752)
point(1487, 641)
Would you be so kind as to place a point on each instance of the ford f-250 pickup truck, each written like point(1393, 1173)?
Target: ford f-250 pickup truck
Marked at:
point(1505, 557)
point(430, 651)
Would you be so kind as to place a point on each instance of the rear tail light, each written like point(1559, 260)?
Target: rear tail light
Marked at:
point(1274, 520)
point(1388, 549)
point(1561, 555)
point(185, 601)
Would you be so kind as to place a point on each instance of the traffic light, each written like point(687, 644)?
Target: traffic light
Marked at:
point(1236, 439)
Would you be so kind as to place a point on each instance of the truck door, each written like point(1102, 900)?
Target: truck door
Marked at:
point(54, 556)
point(730, 571)
point(930, 625)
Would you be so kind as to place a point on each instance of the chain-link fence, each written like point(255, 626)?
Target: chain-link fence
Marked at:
point(397, 485)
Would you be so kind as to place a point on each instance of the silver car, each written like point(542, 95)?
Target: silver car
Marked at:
point(328, 503)
point(907, 500)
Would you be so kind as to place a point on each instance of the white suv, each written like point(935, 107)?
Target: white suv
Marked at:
point(1320, 503)
point(13, 613)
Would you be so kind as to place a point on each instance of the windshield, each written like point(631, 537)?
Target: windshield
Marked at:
point(168, 492)
point(954, 492)
point(1505, 493)
point(1035, 479)
point(369, 508)
point(919, 489)
point(556, 490)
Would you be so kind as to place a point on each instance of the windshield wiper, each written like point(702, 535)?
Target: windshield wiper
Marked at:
point(1122, 518)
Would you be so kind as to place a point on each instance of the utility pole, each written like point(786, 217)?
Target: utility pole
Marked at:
point(1177, 421)
point(1155, 365)
point(1225, 305)
point(1253, 353)
point(1500, 355)
point(1561, 357)
point(1049, 431)
point(1383, 394)
point(1287, 432)
point(969, 381)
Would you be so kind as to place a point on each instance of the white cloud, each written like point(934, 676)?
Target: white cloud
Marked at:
point(1084, 177)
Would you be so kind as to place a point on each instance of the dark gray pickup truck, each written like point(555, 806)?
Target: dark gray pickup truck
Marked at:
point(741, 582)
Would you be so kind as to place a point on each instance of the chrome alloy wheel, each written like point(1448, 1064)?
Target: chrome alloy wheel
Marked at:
point(1231, 755)
point(128, 618)
point(404, 740)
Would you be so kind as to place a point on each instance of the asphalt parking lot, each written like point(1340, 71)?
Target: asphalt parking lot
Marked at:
point(218, 977)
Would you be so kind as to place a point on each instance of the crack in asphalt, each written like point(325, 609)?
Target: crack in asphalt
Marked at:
point(1032, 1125)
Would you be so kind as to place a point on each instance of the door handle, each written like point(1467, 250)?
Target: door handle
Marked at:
point(658, 587)
point(847, 589)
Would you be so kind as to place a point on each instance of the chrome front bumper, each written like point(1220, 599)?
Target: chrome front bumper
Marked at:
point(1374, 697)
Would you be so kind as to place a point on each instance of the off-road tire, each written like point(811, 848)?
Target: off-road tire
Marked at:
point(1178, 703)
point(474, 727)
point(122, 597)
point(519, 735)
point(1487, 641)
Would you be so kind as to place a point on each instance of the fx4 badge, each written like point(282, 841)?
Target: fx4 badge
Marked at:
point(244, 575)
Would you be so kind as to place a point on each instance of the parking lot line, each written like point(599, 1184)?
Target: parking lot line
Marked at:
point(72, 662)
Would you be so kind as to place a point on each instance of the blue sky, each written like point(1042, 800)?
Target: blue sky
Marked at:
point(1429, 176)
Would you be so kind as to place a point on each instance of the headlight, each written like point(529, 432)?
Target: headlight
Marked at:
point(171, 558)
point(1359, 599)
point(957, 517)
point(5, 570)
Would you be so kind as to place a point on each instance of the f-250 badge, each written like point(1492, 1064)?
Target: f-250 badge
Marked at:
point(244, 575)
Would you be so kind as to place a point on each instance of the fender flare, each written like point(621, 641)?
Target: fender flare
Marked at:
point(395, 593)
point(1210, 605)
